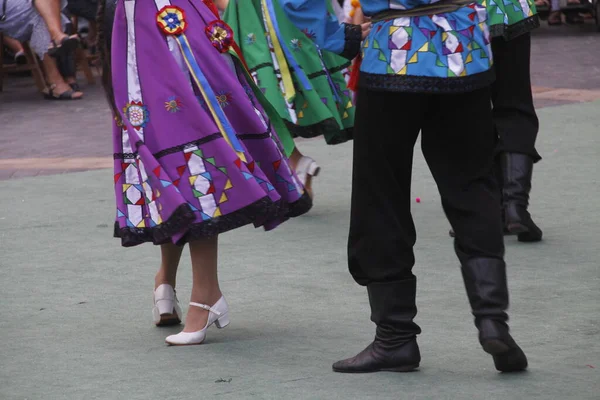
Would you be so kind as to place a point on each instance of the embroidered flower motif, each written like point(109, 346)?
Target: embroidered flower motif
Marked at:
point(311, 35)
point(171, 20)
point(137, 114)
point(296, 44)
point(220, 35)
point(250, 38)
point(224, 99)
point(173, 104)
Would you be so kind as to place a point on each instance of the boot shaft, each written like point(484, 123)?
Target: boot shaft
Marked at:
point(517, 170)
point(487, 288)
point(393, 308)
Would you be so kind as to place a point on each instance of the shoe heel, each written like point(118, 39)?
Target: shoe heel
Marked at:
point(165, 307)
point(223, 321)
point(314, 169)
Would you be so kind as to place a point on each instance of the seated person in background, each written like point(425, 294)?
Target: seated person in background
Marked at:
point(555, 16)
point(86, 9)
point(40, 22)
point(16, 48)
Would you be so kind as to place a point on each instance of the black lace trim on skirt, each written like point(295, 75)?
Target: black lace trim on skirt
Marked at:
point(328, 128)
point(259, 213)
point(509, 32)
point(425, 84)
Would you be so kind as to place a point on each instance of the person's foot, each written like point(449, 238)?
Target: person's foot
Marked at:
point(381, 357)
point(497, 341)
point(306, 169)
point(62, 91)
point(20, 58)
point(63, 44)
point(166, 309)
point(218, 314)
point(197, 317)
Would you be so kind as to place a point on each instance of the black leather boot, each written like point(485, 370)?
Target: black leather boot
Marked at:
point(516, 184)
point(395, 346)
point(485, 281)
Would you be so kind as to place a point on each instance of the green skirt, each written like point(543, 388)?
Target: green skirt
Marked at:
point(322, 108)
point(511, 18)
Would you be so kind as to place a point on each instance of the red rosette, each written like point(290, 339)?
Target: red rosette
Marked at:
point(220, 35)
point(171, 20)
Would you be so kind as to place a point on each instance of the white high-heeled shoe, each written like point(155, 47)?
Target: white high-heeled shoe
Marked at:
point(166, 309)
point(218, 314)
point(307, 168)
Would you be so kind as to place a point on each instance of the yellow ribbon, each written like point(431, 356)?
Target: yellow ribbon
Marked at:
point(286, 76)
point(184, 45)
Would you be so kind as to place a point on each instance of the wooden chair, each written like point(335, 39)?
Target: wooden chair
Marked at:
point(32, 65)
point(83, 59)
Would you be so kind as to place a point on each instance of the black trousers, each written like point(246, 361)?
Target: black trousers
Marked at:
point(458, 142)
point(515, 119)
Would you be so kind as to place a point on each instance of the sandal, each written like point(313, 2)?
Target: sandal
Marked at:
point(68, 43)
point(66, 95)
point(75, 86)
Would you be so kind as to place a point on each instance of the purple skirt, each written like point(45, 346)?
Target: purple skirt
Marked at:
point(178, 177)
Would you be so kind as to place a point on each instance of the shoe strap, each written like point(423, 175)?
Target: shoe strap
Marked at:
point(207, 308)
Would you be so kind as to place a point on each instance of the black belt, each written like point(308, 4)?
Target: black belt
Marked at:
point(442, 6)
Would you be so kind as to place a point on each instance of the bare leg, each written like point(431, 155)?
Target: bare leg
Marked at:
point(50, 12)
point(295, 157)
point(221, 4)
point(54, 77)
point(13, 44)
point(170, 255)
point(205, 288)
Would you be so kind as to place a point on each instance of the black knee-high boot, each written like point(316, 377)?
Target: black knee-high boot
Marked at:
point(485, 281)
point(395, 346)
point(517, 170)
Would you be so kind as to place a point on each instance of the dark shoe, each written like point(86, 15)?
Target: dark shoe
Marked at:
point(516, 184)
point(496, 340)
point(485, 281)
point(66, 44)
point(395, 347)
point(377, 357)
point(75, 86)
point(20, 58)
point(67, 95)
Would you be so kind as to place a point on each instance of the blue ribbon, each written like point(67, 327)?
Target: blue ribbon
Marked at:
point(288, 54)
point(329, 79)
point(210, 94)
